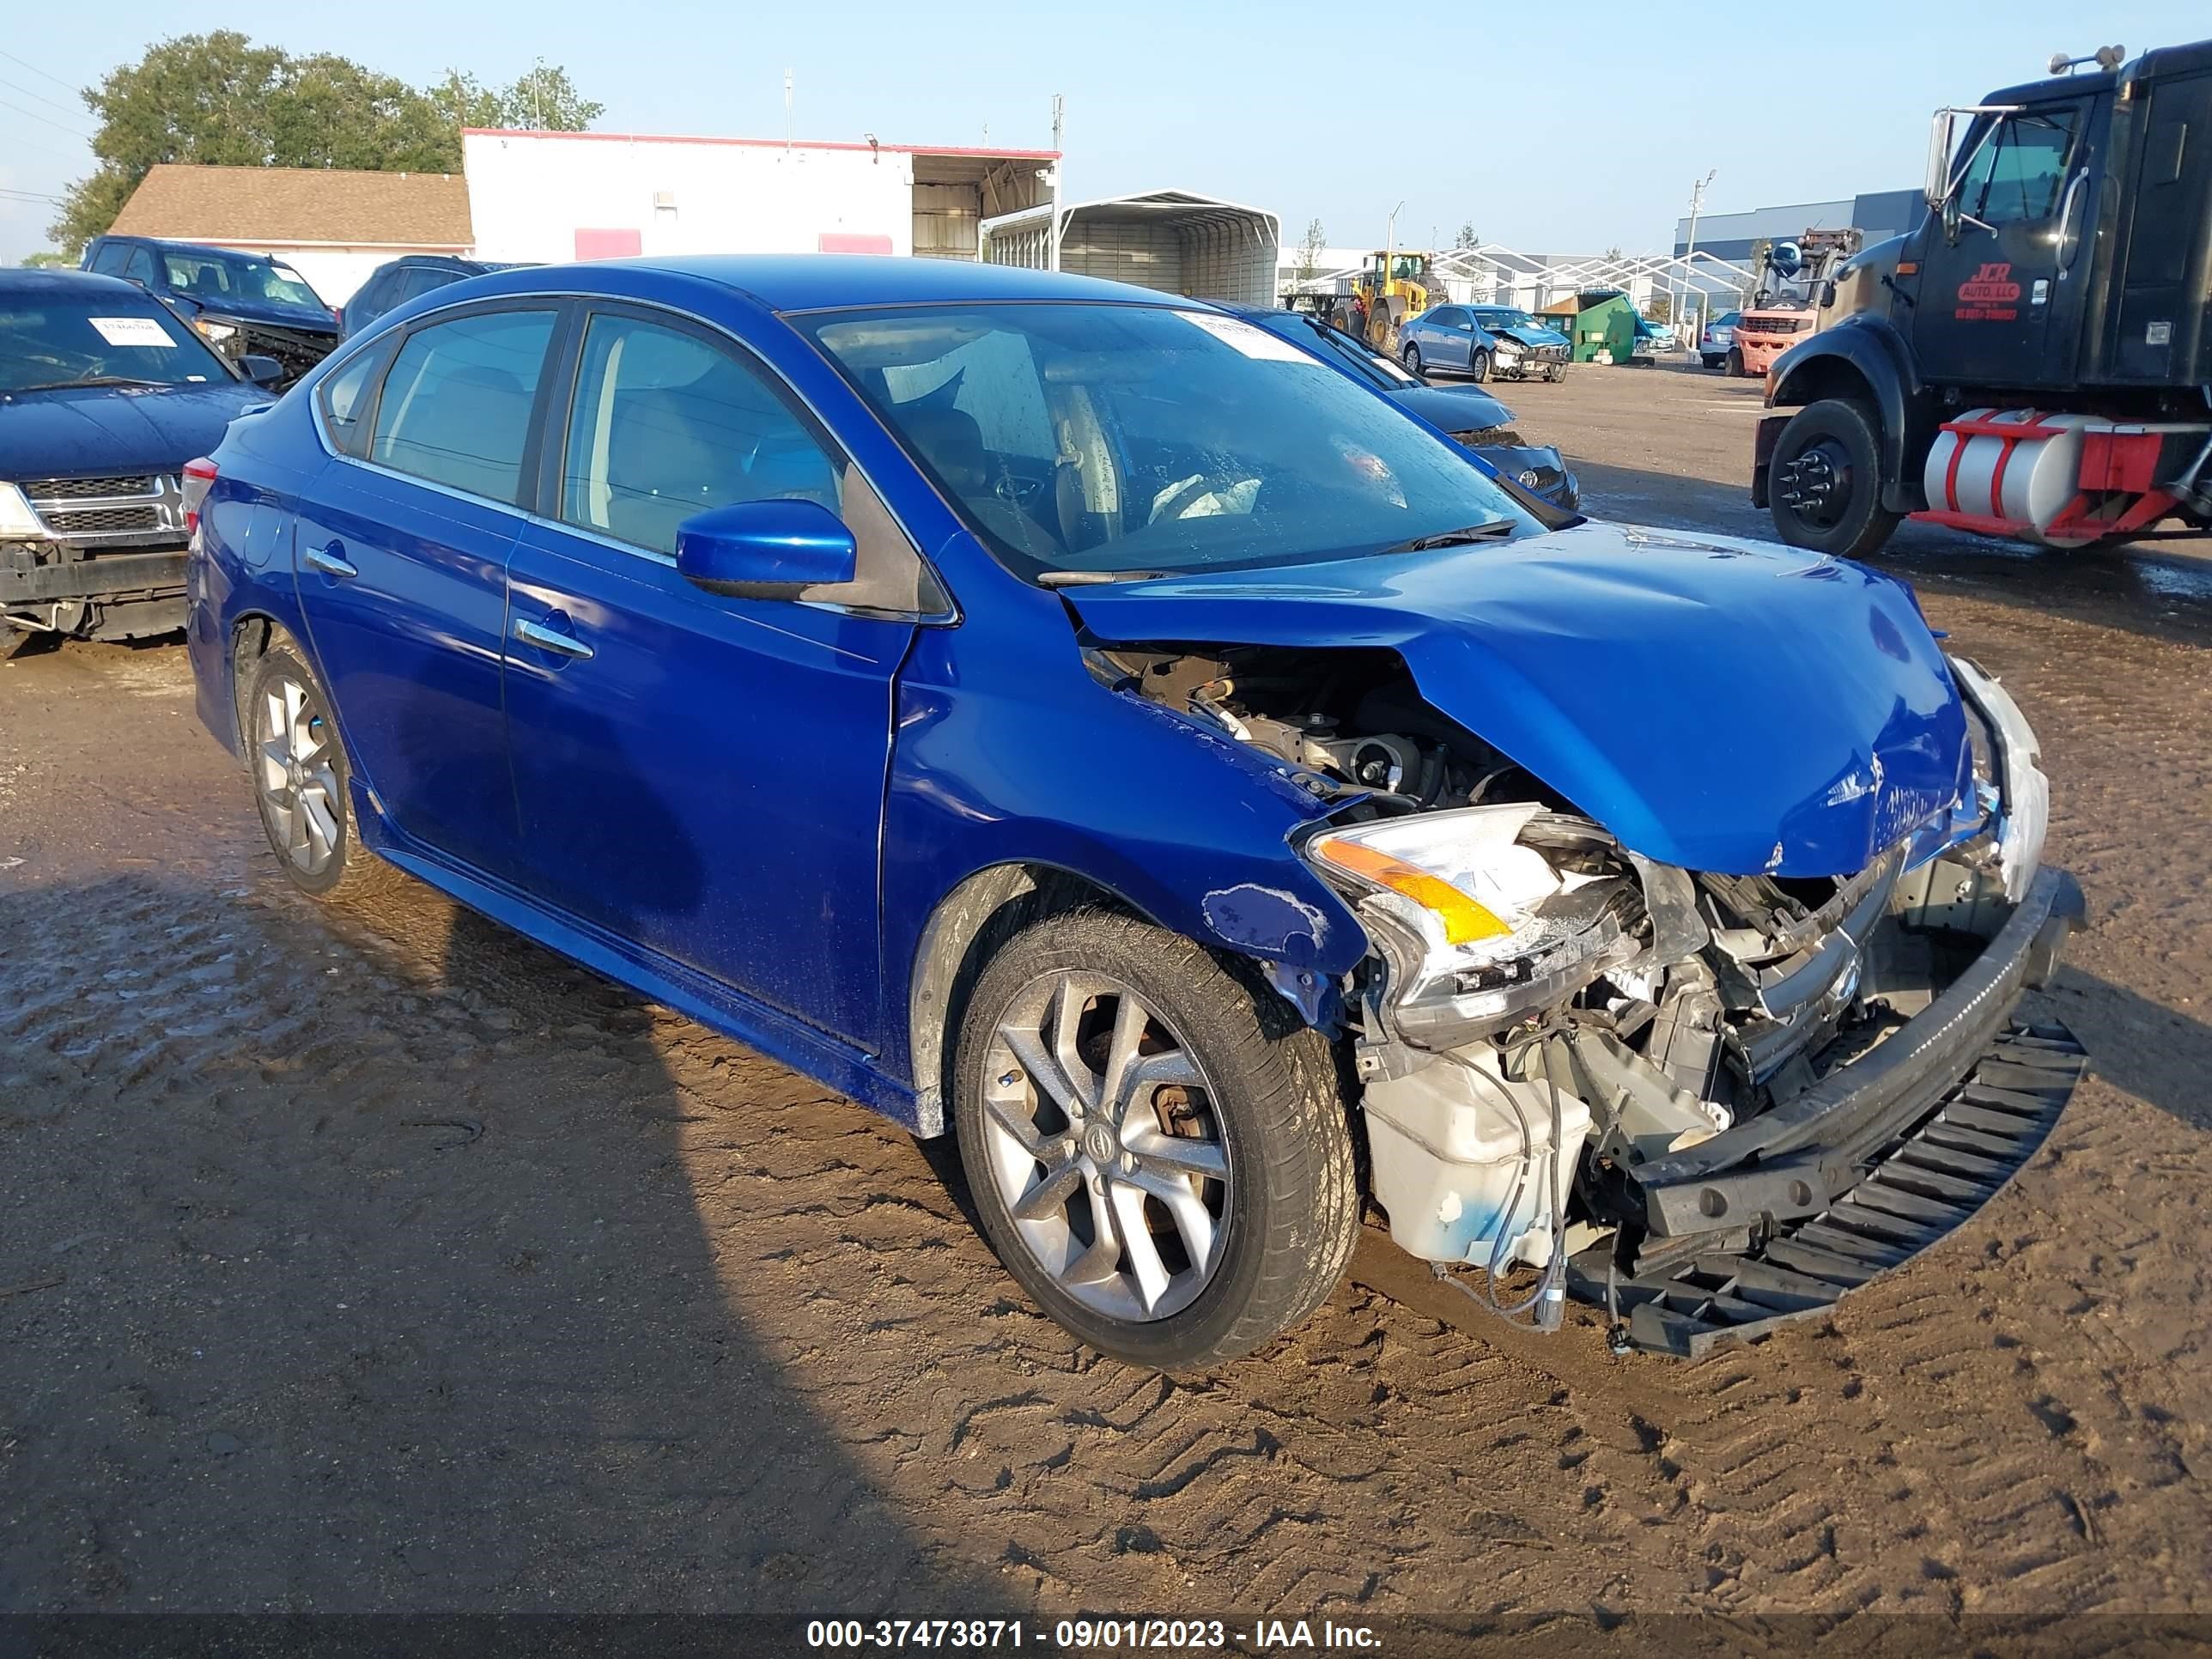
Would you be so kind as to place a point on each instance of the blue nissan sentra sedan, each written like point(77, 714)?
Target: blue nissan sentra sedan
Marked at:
point(1073, 718)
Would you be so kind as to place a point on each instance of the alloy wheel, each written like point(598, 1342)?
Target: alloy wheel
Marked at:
point(1104, 1146)
point(295, 753)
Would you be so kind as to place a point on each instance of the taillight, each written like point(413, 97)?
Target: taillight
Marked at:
point(199, 478)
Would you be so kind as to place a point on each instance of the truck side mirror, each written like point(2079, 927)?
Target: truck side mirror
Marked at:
point(1953, 215)
point(1941, 134)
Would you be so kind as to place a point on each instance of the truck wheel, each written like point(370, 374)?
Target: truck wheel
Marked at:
point(1824, 485)
point(1156, 1145)
point(301, 774)
point(1735, 370)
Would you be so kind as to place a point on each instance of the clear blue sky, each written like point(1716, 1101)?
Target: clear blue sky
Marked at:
point(1334, 112)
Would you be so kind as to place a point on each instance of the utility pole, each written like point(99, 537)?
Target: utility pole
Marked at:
point(786, 109)
point(1689, 247)
point(1059, 165)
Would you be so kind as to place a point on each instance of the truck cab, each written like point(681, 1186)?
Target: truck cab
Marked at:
point(2059, 283)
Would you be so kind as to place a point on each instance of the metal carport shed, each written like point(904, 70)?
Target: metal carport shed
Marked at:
point(1170, 240)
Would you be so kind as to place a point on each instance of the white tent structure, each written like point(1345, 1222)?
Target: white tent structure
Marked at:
point(1174, 240)
point(1493, 274)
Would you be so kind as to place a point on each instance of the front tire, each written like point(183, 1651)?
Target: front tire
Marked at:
point(1824, 486)
point(1735, 370)
point(301, 781)
point(1156, 1145)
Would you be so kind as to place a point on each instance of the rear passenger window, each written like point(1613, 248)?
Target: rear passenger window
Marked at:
point(418, 280)
point(456, 406)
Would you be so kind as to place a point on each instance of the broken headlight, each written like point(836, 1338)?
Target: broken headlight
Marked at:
point(1476, 928)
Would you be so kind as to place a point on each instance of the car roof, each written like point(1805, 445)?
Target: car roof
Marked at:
point(825, 281)
point(33, 280)
point(194, 247)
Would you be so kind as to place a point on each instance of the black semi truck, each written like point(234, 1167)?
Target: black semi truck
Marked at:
point(2035, 359)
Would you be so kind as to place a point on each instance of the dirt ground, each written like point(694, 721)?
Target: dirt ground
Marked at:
point(390, 1263)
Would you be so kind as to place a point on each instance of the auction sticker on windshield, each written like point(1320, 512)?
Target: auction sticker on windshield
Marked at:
point(1255, 343)
point(131, 332)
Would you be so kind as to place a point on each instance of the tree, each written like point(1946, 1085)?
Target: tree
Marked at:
point(1310, 251)
point(1466, 238)
point(543, 101)
point(220, 99)
point(49, 261)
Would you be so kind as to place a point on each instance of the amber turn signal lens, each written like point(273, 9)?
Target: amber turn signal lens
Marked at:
point(1465, 920)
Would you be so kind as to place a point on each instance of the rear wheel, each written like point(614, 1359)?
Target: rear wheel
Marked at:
point(1156, 1143)
point(1413, 358)
point(1824, 488)
point(1477, 366)
point(300, 782)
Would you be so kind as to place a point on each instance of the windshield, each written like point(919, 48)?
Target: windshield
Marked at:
point(212, 277)
point(1100, 437)
point(54, 341)
point(1497, 319)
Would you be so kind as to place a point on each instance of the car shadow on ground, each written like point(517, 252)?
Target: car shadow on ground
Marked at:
point(2161, 1057)
point(363, 1264)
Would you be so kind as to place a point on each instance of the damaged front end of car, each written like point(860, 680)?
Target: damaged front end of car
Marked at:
point(1710, 1101)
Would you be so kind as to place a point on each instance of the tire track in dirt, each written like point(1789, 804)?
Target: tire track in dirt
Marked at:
point(680, 1329)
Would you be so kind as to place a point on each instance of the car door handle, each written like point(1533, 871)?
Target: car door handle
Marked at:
point(327, 559)
point(550, 639)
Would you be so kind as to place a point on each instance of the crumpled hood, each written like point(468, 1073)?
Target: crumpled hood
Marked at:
point(1532, 337)
point(244, 310)
point(1718, 704)
point(93, 430)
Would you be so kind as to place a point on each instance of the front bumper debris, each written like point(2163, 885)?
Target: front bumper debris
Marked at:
point(1779, 1218)
point(1930, 1182)
point(102, 576)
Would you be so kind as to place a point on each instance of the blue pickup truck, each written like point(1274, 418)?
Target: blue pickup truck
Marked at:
point(104, 394)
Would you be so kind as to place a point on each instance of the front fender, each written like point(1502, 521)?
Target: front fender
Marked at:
point(1865, 357)
point(1009, 754)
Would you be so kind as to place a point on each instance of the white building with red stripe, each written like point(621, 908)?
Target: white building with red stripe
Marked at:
point(550, 196)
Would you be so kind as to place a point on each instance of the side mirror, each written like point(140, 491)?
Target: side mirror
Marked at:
point(765, 549)
point(1941, 133)
point(261, 369)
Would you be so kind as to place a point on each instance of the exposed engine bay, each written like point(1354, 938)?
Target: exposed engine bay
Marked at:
point(1545, 1017)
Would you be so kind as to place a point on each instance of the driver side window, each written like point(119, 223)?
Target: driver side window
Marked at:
point(2015, 176)
point(666, 424)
